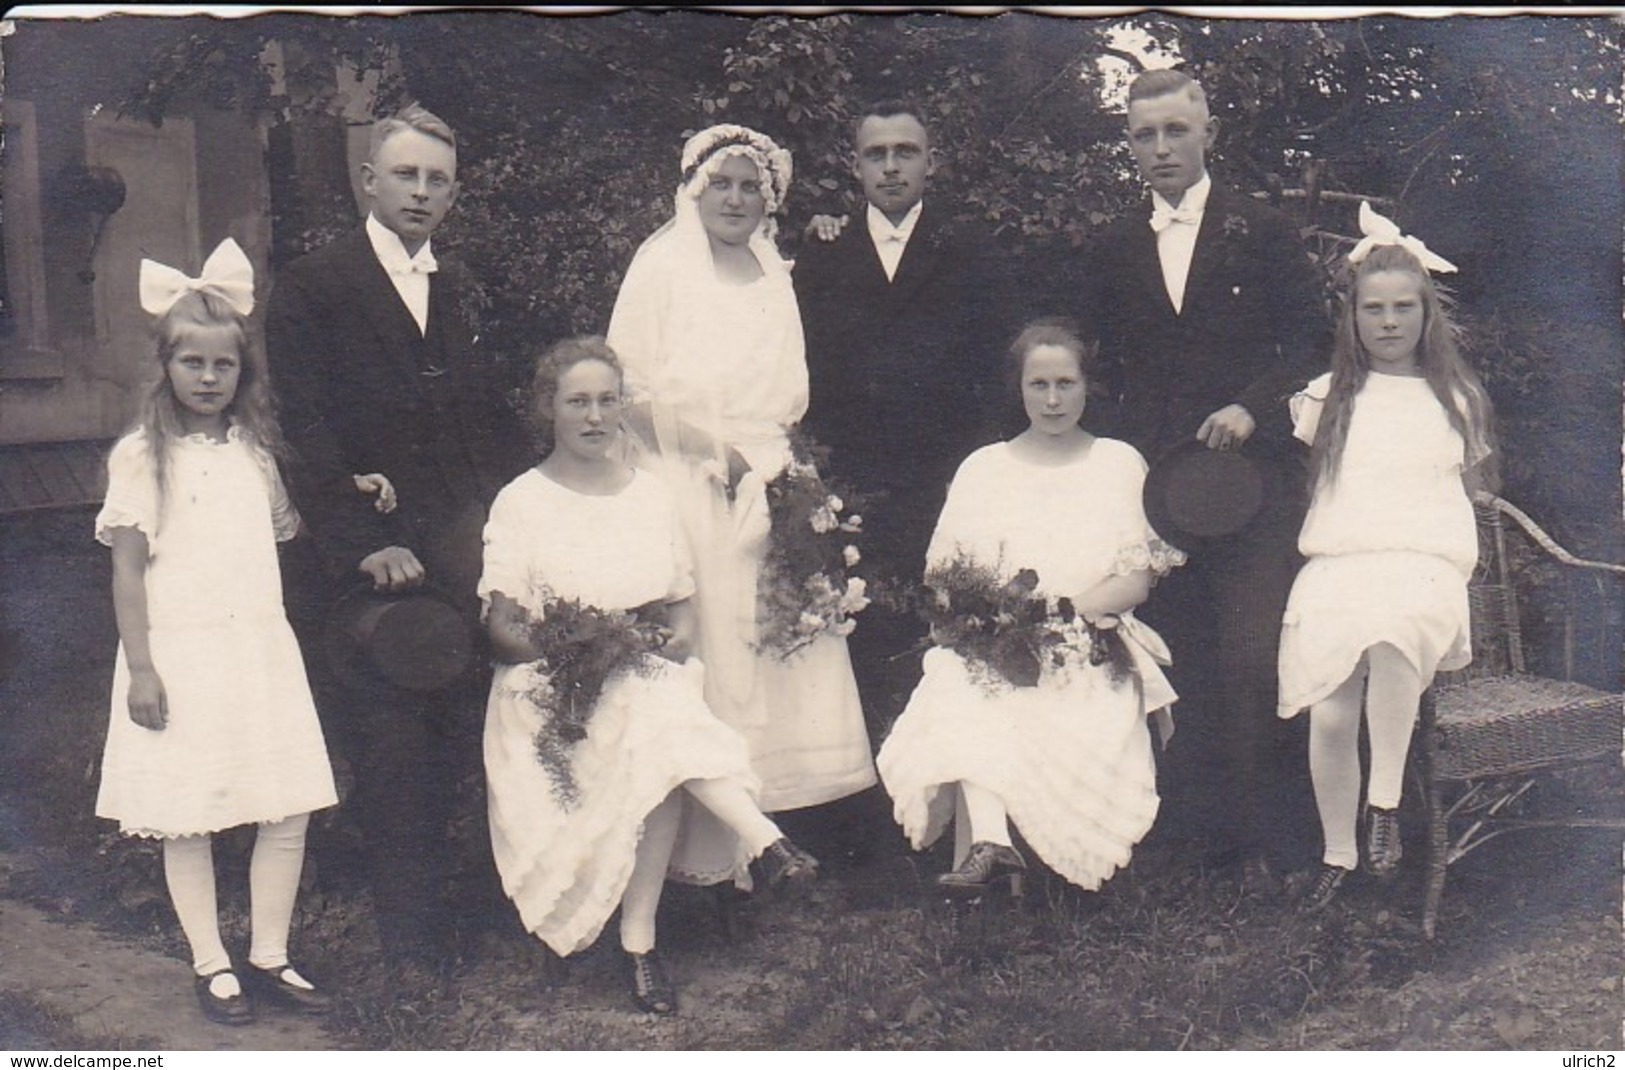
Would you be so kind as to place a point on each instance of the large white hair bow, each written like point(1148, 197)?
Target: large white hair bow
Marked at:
point(227, 274)
point(1380, 230)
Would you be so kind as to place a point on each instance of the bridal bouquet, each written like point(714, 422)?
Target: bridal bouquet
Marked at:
point(808, 587)
point(582, 646)
point(1005, 630)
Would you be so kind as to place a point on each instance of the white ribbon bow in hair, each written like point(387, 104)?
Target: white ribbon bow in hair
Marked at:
point(1163, 217)
point(227, 274)
point(1380, 230)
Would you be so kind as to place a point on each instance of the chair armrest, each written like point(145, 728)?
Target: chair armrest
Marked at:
point(1543, 540)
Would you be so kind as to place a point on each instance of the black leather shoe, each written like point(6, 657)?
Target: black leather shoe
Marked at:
point(1324, 890)
point(651, 989)
point(276, 986)
point(223, 1010)
point(987, 865)
point(786, 868)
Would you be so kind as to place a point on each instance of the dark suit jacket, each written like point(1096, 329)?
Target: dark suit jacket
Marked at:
point(363, 391)
point(1253, 328)
point(903, 372)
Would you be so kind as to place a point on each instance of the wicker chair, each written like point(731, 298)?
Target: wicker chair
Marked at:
point(1489, 731)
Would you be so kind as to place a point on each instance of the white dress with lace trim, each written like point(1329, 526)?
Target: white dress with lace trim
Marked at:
point(243, 743)
point(1072, 757)
point(566, 867)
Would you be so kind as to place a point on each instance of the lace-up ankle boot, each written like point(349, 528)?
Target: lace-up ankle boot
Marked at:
point(987, 865)
point(1324, 889)
point(651, 989)
point(787, 869)
point(1383, 849)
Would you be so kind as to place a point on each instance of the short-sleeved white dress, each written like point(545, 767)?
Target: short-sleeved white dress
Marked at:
point(567, 866)
point(1071, 758)
point(243, 743)
point(1391, 544)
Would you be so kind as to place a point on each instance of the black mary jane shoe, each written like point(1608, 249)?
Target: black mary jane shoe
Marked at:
point(274, 986)
point(988, 865)
point(651, 989)
point(223, 1010)
point(786, 868)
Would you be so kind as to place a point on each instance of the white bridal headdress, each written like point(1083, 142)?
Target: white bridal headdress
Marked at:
point(705, 152)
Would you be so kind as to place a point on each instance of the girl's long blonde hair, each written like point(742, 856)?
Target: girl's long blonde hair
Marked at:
point(252, 410)
point(1439, 358)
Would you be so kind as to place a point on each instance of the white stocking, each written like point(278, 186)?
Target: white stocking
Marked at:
point(273, 884)
point(986, 814)
point(1390, 715)
point(1334, 766)
point(641, 900)
point(734, 807)
point(189, 872)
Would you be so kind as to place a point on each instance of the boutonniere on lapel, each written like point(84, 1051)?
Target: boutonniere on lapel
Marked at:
point(1235, 226)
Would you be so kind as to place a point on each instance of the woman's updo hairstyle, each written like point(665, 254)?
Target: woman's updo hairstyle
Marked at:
point(550, 368)
point(1062, 331)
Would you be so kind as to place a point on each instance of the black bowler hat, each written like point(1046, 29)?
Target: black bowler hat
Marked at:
point(1195, 496)
point(414, 640)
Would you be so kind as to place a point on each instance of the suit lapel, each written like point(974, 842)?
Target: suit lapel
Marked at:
point(1141, 251)
point(379, 303)
point(922, 257)
point(1210, 248)
point(862, 257)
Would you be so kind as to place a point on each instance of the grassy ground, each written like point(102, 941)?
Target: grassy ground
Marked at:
point(1167, 957)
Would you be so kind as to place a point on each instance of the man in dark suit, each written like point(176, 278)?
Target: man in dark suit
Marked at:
point(1209, 318)
point(373, 358)
point(903, 365)
point(903, 362)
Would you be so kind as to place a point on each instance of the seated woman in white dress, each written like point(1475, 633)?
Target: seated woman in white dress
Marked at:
point(574, 843)
point(1068, 760)
point(707, 324)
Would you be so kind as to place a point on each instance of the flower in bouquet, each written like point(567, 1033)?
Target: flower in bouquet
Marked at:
point(581, 648)
point(807, 589)
point(1005, 630)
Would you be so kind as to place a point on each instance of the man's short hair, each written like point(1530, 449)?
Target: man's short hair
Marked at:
point(412, 117)
point(885, 109)
point(1160, 83)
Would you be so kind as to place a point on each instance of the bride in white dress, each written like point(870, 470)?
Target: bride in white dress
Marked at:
point(1069, 760)
point(707, 326)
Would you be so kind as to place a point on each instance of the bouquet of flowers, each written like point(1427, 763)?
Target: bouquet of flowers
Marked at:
point(1006, 631)
point(582, 646)
point(807, 586)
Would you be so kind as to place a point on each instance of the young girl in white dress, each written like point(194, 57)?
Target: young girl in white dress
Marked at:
point(584, 525)
point(707, 323)
point(1069, 761)
point(1400, 430)
point(212, 721)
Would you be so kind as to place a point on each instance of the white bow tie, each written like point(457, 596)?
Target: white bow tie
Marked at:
point(1163, 217)
point(420, 265)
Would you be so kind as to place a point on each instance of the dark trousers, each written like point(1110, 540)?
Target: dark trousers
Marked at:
point(407, 753)
point(1235, 776)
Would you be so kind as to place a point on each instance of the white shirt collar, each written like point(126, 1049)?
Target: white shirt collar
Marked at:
point(391, 251)
point(882, 230)
point(1194, 200)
